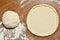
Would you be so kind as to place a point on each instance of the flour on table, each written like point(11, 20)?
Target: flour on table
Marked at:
point(54, 1)
point(12, 34)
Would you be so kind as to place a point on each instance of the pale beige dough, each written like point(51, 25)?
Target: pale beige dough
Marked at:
point(10, 19)
point(42, 20)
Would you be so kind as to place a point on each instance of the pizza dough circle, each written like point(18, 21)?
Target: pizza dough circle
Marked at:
point(42, 20)
point(10, 19)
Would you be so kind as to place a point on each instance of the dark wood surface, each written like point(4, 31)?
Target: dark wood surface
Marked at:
point(23, 12)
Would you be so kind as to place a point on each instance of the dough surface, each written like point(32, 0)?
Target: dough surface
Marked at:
point(42, 20)
point(10, 19)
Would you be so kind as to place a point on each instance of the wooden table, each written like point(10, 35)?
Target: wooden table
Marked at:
point(23, 10)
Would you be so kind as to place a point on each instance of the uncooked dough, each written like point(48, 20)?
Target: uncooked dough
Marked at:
point(42, 20)
point(10, 19)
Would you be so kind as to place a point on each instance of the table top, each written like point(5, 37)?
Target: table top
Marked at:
point(23, 9)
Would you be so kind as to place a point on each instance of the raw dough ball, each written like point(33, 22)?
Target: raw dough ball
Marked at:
point(10, 19)
point(42, 20)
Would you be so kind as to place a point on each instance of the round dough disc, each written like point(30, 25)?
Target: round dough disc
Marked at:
point(10, 19)
point(42, 20)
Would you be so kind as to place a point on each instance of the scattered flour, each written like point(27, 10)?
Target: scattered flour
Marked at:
point(12, 34)
point(58, 2)
point(22, 1)
point(54, 1)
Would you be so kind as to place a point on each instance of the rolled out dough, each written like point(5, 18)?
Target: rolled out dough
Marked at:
point(42, 20)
